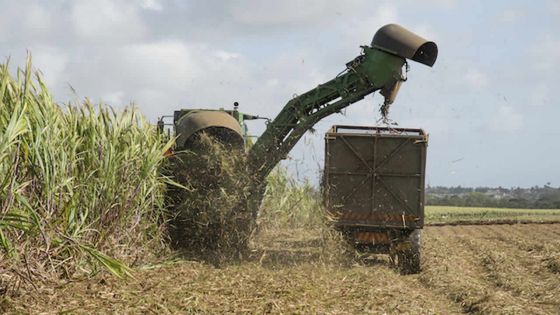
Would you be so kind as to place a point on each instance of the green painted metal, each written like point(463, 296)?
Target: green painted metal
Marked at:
point(188, 122)
point(371, 71)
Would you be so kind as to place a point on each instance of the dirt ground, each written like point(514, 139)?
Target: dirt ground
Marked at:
point(497, 269)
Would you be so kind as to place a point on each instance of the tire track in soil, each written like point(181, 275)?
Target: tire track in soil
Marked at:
point(440, 267)
point(527, 240)
point(448, 271)
point(544, 254)
point(544, 233)
point(555, 229)
point(543, 249)
point(511, 269)
point(453, 270)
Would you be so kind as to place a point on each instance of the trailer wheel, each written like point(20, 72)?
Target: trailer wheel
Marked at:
point(407, 254)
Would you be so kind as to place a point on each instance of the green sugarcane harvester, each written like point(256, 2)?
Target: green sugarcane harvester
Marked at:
point(378, 67)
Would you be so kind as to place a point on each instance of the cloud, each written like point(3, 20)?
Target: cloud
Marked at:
point(37, 18)
point(165, 75)
point(385, 14)
point(553, 6)
point(107, 21)
point(292, 12)
point(154, 5)
point(52, 63)
point(511, 15)
point(546, 53)
point(115, 99)
point(443, 3)
point(256, 12)
point(506, 120)
point(20, 21)
point(475, 78)
point(225, 56)
point(540, 95)
point(165, 62)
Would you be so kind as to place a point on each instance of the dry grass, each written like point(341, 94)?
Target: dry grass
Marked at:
point(205, 217)
point(494, 269)
point(475, 269)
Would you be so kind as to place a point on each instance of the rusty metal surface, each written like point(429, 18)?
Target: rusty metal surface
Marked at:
point(374, 177)
point(399, 41)
point(373, 238)
point(196, 121)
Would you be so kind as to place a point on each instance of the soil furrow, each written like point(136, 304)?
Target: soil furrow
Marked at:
point(517, 272)
point(452, 269)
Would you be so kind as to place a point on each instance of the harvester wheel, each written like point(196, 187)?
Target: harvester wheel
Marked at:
point(407, 254)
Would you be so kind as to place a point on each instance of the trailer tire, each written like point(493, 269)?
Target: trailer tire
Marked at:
point(408, 259)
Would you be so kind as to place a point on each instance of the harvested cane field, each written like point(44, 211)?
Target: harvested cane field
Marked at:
point(512, 269)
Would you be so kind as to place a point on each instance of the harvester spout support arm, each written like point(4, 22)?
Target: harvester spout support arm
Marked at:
point(379, 67)
point(371, 71)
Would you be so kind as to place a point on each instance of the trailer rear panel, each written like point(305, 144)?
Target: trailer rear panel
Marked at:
point(374, 177)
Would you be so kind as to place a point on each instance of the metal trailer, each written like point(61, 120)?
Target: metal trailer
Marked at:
point(373, 186)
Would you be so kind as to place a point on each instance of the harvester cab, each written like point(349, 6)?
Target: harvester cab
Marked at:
point(226, 126)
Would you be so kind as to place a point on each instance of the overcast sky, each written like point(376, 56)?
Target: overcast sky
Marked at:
point(488, 103)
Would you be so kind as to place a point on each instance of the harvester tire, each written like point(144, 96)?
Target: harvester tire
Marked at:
point(408, 255)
